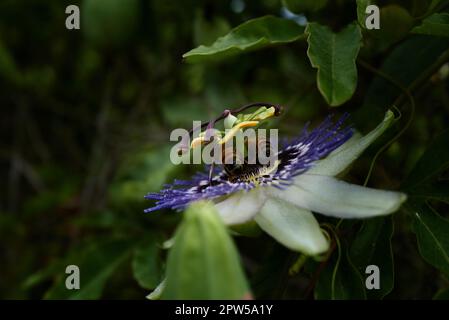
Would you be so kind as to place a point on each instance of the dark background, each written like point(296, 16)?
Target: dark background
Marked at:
point(86, 115)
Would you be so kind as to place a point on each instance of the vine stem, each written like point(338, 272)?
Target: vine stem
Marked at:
point(316, 275)
point(337, 264)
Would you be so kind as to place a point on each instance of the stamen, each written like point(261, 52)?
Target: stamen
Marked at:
point(198, 142)
point(231, 133)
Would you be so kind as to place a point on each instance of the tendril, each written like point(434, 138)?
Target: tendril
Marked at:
point(405, 92)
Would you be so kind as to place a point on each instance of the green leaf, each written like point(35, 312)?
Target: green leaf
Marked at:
point(203, 262)
point(432, 234)
point(438, 190)
point(43, 274)
point(434, 161)
point(248, 229)
point(404, 68)
point(422, 184)
point(372, 246)
point(146, 266)
point(251, 35)
point(361, 11)
point(340, 279)
point(435, 3)
point(334, 55)
point(435, 25)
point(269, 280)
point(8, 68)
point(144, 172)
point(299, 6)
point(96, 266)
point(442, 295)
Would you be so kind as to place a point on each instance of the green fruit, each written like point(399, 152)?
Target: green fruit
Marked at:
point(395, 22)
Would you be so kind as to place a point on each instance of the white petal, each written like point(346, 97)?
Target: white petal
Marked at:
point(336, 198)
point(341, 158)
point(295, 228)
point(241, 206)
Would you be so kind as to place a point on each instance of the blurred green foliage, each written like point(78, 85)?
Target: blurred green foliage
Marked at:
point(86, 117)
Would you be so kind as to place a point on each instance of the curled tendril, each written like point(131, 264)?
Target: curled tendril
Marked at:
point(406, 93)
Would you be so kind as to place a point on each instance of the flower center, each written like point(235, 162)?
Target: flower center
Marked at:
point(250, 173)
